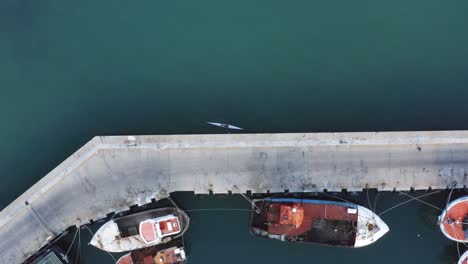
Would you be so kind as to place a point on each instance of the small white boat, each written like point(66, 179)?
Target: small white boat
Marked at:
point(227, 126)
point(141, 230)
point(464, 258)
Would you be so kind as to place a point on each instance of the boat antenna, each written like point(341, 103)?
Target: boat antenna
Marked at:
point(454, 184)
point(368, 201)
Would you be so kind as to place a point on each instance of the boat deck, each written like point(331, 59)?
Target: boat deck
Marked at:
point(324, 222)
point(129, 225)
point(138, 256)
point(455, 219)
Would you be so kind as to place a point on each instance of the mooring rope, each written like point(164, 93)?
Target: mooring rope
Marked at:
point(249, 200)
point(368, 199)
point(375, 201)
point(172, 201)
point(450, 196)
point(407, 201)
point(73, 241)
point(419, 200)
point(78, 251)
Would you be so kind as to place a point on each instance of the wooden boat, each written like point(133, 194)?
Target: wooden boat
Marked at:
point(464, 258)
point(170, 253)
point(316, 221)
point(140, 230)
point(454, 220)
point(227, 126)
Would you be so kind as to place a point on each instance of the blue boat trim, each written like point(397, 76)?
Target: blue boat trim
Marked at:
point(310, 201)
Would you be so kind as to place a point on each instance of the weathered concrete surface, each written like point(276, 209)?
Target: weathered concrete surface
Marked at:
point(112, 173)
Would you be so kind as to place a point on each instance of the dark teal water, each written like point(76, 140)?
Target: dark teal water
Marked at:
point(73, 70)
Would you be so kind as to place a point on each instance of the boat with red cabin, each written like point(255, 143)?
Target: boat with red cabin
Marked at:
point(170, 253)
point(140, 230)
point(316, 221)
point(454, 220)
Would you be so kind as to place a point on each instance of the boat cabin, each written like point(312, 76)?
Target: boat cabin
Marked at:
point(282, 214)
point(155, 229)
point(152, 255)
point(170, 256)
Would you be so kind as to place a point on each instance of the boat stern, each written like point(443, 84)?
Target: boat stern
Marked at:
point(370, 227)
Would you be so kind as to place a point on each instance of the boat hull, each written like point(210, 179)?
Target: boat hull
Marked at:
point(122, 234)
point(320, 222)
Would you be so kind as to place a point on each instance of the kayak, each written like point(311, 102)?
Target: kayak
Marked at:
point(225, 125)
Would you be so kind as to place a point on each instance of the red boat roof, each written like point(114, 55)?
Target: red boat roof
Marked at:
point(296, 219)
point(169, 226)
point(453, 219)
point(126, 259)
point(148, 231)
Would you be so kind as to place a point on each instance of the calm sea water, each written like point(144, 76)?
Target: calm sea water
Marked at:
point(73, 70)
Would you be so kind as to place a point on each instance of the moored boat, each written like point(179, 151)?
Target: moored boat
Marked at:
point(316, 221)
point(140, 230)
point(464, 258)
point(170, 253)
point(454, 220)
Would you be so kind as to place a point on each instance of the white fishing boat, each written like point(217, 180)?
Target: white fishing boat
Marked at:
point(140, 230)
point(227, 126)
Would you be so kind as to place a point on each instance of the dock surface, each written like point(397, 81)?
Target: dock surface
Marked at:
point(110, 174)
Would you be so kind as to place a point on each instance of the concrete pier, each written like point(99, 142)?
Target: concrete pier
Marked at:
point(110, 174)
